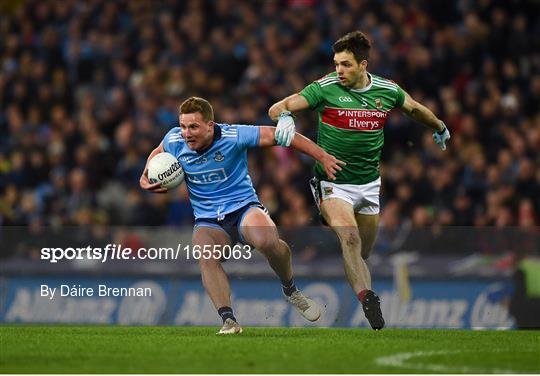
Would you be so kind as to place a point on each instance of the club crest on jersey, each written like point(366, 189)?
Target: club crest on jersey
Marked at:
point(378, 103)
point(218, 157)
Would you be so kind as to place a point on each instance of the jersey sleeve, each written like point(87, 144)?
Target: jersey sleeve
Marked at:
point(399, 97)
point(248, 136)
point(313, 94)
point(172, 142)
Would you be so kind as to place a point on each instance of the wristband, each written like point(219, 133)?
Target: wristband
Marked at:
point(443, 130)
point(285, 113)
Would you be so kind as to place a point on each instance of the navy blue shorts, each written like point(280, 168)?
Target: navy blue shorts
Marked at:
point(231, 222)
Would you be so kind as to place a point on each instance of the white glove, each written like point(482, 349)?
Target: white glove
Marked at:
point(441, 137)
point(285, 129)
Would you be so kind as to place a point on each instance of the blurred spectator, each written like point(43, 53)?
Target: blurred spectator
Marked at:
point(88, 88)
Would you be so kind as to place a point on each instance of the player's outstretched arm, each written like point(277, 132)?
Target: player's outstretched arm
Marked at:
point(424, 115)
point(144, 182)
point(282, 112)
point(292, 103)
point(301, 143)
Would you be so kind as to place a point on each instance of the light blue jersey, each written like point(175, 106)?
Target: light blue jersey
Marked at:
point(217, 179)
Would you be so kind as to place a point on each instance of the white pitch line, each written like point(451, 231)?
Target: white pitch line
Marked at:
point(400, 360)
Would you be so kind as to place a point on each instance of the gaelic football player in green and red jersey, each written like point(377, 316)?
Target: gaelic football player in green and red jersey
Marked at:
point(353, 106)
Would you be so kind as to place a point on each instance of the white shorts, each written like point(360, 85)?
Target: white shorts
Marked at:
point(364, 198)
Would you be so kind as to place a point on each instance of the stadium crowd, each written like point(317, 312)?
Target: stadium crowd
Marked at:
point(89, 88)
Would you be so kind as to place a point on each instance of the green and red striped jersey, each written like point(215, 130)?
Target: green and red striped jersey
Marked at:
point(351, 123)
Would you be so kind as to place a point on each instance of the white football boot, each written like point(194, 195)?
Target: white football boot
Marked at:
point(230, 327)
point(306, 306)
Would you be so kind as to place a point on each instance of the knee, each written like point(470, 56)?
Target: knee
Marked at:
point(268, 245)
point(350, 239)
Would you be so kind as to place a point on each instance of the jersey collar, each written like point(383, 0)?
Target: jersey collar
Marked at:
point(364, 89)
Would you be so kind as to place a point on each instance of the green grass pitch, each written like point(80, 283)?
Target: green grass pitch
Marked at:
point(115, 349)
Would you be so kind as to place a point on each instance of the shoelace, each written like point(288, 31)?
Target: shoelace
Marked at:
point(230, 323)
point(299, 300)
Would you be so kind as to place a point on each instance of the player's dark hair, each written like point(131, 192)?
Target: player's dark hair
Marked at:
point(355, 42)
point(196, 104)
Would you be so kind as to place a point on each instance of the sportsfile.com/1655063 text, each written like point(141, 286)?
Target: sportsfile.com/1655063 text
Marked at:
point(118, 252)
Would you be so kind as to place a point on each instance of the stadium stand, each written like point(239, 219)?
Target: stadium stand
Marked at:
point(88, 88)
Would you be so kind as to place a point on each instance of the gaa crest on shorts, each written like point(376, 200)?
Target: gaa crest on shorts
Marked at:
point(328, 190)
point(218, 157)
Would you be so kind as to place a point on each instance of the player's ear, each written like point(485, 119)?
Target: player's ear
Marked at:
point(364, 64)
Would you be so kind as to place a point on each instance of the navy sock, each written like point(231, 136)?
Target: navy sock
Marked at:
point(226, 313)
point(288, 287)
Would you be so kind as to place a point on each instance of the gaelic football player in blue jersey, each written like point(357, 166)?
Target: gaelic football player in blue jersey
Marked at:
point(225, 205)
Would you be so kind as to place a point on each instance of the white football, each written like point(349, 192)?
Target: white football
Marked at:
point(165, 168)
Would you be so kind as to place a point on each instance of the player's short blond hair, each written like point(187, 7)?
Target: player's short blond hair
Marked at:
point(196, 104)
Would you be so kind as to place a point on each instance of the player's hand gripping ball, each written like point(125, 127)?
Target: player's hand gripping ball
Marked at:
point(165, 169)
